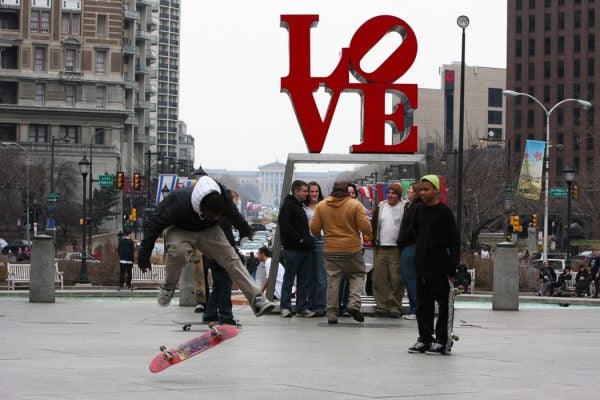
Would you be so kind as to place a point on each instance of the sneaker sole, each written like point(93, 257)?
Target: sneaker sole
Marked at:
point(265, 310)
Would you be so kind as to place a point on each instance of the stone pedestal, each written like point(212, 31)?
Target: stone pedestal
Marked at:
point(41, 283)
point(506, 278)
point(186, 287)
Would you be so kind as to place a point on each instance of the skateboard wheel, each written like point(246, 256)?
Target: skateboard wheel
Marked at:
point(186, 327)
point(455, 338)
point(163, 348)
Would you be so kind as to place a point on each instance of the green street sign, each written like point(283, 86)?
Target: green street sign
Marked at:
point(105, 180)
point(53, 196)
point(559, 192)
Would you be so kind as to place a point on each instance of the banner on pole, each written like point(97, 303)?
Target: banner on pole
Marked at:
point(165, 181)
point(530, 179)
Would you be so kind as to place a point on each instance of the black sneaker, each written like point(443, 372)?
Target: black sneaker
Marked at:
point(332, 321)
point(419, 347)
point(356, 315)
point(438, 349)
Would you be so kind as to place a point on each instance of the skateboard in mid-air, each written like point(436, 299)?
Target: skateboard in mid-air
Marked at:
point(215, 335)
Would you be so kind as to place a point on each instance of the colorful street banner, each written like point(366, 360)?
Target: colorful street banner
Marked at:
point(165, 180)
point(530, 179)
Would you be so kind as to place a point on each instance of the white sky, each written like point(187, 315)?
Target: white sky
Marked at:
point(234, 53)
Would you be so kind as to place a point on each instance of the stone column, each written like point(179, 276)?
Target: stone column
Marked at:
point(41, 276)
point(506, 278)
point(186, 287)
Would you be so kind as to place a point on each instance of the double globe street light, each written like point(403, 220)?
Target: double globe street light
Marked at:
point(585, 105)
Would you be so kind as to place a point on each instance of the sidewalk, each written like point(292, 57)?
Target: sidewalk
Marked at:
point(97, 348)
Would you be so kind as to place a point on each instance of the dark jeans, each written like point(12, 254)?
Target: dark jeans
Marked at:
point(218, 305)
point(409, 276)
point(297, 263)
point(430, 291)
point(125, 269)
point(318, 287)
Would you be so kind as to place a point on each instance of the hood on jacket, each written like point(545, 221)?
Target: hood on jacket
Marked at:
point(333, 201)
point(204, 186)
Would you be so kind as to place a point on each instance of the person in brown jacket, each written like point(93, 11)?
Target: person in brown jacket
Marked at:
point(342, 219)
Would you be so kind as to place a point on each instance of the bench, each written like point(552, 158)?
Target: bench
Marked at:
point(156, 275)
point(19, 273)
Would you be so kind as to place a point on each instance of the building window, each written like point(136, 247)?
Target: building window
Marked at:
point(531, 71)
point(71, 24)
point(576, 90)
point(494, 117)
point(591, 42)
point(589, 143)
point(591, 67)
point(39, 59)
point(547, 45)
point(70, 98)
point(70, 133)
point(560, 93)
point(589, 164)
point(532, 47)
point(99, 135)
point(590, 92)
point(591, 17)
point(101, 26)
point(561, 21)
point(576, 116)
point(561, 45)
point(100, 97)
point(577, 19)
point(494, 97)
point(100, 61)
point(560, 67)
point(519, 25)
point(518, 48)
point(547, 69)
point(576, 68)
point(577, 43)
point(70, 60)
point(38, 134)
point(532, 24)
point(518, 72)
point(517, 118)
point(546, 94)
point(547, 22)
point(530, 118)
point(40, 94)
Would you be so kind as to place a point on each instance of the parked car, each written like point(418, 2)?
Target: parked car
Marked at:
point(77, 257)
point(248, 247)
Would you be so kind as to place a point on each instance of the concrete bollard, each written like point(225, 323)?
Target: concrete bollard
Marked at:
point(506, 278)
point(41, 275)
point(186, 287)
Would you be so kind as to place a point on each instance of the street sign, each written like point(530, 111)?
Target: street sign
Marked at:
point(105, 180)
point(53, 196)
point(559, 192)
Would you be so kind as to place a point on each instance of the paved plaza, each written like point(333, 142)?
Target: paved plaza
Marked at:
point(99, 348)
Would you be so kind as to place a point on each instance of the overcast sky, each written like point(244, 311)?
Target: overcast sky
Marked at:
point(234, 53)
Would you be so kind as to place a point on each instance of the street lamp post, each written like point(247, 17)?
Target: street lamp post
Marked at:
point(27, 207)
point(585, 105)
point(570, 173)
point(84, 168)
point(462, 22)
point(112, 128)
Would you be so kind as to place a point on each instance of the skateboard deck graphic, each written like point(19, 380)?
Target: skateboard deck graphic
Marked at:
point(212, 337)
point(452, 337)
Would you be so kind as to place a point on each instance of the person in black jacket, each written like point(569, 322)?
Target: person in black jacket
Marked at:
point(437, 256)
point(190, 218)
point(125, 249)
point(297, 245)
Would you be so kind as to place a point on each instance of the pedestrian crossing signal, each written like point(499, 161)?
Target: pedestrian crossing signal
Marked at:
point(575, 192)
point(534, 220)
point(133, 215)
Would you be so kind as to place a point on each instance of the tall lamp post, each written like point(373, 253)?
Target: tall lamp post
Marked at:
point(462, 22)
point(585, 105)
point(98, 132)
point(570, 173)
point(27, 207)
point(84, 168)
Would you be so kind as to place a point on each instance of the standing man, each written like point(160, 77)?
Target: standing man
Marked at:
point(297, 251)
point(436, 259)
point(190, 218)
point(594, 266)
point(388, 288)
point(125, 249)
point(342, 219)
point(252, 264)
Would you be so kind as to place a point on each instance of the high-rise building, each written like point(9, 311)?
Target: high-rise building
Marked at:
point(168, 78)
point(552, 54)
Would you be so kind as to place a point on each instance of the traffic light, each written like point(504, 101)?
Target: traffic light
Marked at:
point(120, 180)
point(575, 192)
point(137, 181)
point(534, 220)
point(515, 222)
point(133, 214)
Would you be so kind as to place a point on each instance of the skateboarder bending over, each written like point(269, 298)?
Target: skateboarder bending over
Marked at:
point(436, 258)
point(190, 219)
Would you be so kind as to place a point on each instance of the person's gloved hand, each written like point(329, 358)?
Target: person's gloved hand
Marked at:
point(144, 260)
